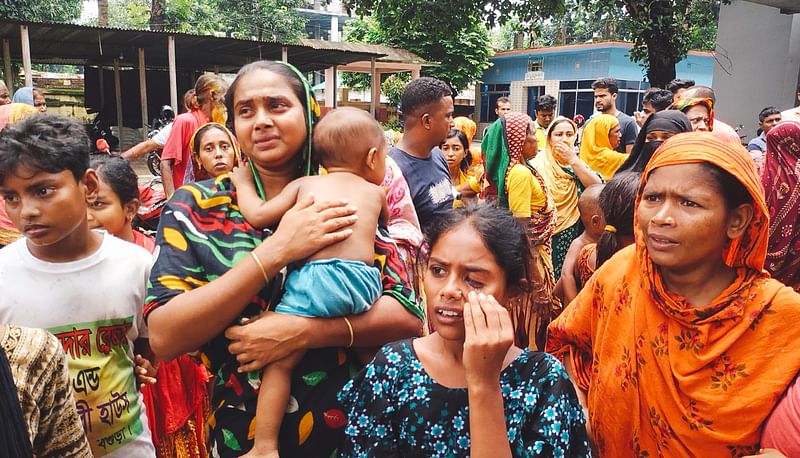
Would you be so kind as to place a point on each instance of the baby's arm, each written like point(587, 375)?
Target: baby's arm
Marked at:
point(257, 212)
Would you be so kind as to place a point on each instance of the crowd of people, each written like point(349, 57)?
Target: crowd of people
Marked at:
point(617, 286)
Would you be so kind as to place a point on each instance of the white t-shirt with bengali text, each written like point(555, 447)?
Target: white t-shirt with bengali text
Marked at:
point(94, 307)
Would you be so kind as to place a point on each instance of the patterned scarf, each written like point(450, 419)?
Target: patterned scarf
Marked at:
point(14, 439)
point(560, 180)
point(684, 105)
point(665, 378)
point(782, 189)
point(502, 149)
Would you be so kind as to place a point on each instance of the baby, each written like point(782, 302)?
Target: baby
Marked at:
point(593, 223)
point(338, 280)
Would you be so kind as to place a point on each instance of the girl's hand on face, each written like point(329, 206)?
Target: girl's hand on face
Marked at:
point(488, 336)
point(308, 227)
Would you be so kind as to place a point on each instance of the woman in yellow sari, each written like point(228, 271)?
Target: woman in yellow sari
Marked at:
point(566, 176)
point(507, 146)
point(600, 136)
point(680, 343)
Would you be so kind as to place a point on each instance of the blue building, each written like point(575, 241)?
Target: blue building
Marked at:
point(567, 73)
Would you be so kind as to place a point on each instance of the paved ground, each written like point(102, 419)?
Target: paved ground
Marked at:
point(140, 167)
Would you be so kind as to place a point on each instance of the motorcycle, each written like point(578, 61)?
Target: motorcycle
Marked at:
point(165, 118)
point(152, 199)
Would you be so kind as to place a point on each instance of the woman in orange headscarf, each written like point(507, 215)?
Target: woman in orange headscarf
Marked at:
point(600, 136)
point(679, 341)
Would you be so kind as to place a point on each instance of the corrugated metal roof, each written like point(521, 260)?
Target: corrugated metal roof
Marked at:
point(76, 44)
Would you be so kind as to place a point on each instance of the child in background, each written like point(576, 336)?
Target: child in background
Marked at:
point(117, 201)
point(593, 223)
point(339, 280)
point(86, 287)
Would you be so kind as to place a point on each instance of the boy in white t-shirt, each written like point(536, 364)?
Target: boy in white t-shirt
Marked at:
point(86, 287)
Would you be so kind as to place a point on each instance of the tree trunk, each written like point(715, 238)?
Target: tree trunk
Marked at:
point(102, 13)
point(157, 15)
point(661, 65)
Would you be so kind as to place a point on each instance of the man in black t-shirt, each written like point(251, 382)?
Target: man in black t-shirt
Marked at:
point(605, 101)
point(427, 110)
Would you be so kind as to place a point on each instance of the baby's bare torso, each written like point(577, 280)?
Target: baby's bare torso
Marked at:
point(365, 196)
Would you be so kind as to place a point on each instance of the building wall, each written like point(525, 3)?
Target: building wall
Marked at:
point(583, 64)
point(758, 60)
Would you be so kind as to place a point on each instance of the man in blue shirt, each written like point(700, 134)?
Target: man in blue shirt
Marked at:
point(767, 119)
point(427, 110)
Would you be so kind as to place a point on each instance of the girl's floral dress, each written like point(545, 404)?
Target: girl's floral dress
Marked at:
point(395, 409)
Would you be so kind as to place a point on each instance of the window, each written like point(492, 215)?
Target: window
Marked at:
point(578, 97)
point(535, 64)
point(534, 92)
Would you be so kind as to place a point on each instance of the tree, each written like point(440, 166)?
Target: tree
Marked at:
point(41, 10)
point(455, 38)
point(102, 13)
point(663, 31)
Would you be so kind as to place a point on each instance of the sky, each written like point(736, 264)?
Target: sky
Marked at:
point(88, 10)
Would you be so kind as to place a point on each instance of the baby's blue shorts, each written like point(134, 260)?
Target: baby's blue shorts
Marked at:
point(331, 287)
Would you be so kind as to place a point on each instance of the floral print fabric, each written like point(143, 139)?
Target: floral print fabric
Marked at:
point(395, 409)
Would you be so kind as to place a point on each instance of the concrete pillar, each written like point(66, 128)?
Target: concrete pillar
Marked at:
point(118, 97)
point(7, 65)
point(173, 75)
point(143, 92)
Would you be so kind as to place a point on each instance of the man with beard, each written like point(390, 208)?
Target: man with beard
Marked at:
point(605, 101)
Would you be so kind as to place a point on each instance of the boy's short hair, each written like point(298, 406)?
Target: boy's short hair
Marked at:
point(676, 84)
point(500, 100)
point(589, 201)
point(422, 92)
point(768, 111)
point(546, 103)
point(45, 142)
point(345, 135)
point(660, 99)
point(606, 83)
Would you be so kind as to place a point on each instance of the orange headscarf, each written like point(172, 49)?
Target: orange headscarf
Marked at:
point(670, 379)
point(596, 150)
point(469, 128)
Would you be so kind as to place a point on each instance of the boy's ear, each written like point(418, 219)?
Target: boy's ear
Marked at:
point(596, 219)
point(372, 158)
point(91, 184)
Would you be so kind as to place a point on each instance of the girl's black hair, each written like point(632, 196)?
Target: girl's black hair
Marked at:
point(119, 175)
point(499, 231)
point(275, 67)
point(732, 190)
point(617, 201)
point(198, 136)
point(466, 161)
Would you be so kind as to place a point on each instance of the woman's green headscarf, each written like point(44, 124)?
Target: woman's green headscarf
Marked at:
point(312, 113)
point(502, 147)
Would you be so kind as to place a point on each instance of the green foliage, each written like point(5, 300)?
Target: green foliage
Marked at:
point(359, 30)
point(663, 31)
point(129, 14)
point(394, 86)
point(41, 10)
point(269, 20)
point(439, 31)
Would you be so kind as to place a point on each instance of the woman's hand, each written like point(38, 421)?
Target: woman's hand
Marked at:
point(488, 336)
point(565, 153)
point(266, 339)
point(310, 226)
